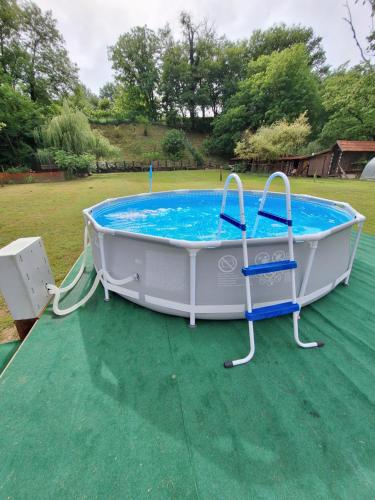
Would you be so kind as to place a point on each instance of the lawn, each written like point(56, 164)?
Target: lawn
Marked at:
point(54, 211)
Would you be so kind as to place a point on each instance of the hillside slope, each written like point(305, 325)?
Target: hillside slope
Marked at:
point(134, 144)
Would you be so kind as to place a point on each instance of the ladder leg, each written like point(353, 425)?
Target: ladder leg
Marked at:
point(305, 345)
point(246, 359)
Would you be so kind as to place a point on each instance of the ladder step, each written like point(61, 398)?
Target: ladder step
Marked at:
point(269, 267)
point(271, 311)
point(283, 220)
point(233, 221)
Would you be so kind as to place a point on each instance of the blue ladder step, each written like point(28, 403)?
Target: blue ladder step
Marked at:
point(275, 217)
point(269, 267)
point(271, 311)
point(233, 221)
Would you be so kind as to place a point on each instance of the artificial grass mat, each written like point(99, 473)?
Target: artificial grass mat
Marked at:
point(6, 352)
point(117, 401)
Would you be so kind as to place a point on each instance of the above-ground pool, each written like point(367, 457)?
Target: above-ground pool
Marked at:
point(170, 240)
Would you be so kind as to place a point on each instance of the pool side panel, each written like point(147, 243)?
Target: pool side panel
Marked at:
point(165, 273)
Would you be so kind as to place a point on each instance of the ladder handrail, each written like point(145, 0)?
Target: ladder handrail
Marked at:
point(240, 199)
point(238, 181)
point(288, 203)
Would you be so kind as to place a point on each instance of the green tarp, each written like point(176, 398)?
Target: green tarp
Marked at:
point(116, 401)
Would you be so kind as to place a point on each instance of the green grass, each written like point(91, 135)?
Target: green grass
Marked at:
point(54, 211)
point(134, 144)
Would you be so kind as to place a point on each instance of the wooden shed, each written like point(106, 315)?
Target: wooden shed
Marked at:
point(349, 157)
point(344, 159)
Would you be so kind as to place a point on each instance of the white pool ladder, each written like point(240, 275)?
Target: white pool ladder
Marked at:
point(277, 309)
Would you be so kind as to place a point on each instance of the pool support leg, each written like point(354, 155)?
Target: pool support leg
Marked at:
point(193, 283)
point(313, 246)
point(352, 257)
point(104, 267)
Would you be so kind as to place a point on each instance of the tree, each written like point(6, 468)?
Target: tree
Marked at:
point(366, 53)
point(279, 139)
point(11, 53)
point(32, 52)
point(108, 91)
point(280, 86)
point(49, 73)
point(173, 144)
point(280, 37)
point(20, 116)
point(191, 33)
point(135, 61)
point(349, 100)
point(71, 133)
point(174, 83)
point(225, 68)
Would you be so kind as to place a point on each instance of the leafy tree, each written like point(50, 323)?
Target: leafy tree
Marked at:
point(135, 61)
point(11, 53)
point(367, 53)
point(49, 73)
point(108, 91)
point(70, 131)
point(349, 100)
point(83, 99)
point(227, 129)
point(191, 34)
point(173, 144)
point(280, 37)
point(20, 116)
point(280, 86)
point(174, 83)
point(224, 68)
point(279, 139)
point(32, 52)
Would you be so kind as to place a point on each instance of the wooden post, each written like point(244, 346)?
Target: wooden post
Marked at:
point(221, 174)
point(24, 326)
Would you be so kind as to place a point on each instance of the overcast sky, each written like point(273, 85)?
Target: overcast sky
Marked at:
point(90, 26)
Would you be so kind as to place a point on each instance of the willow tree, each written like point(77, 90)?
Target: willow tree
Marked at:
point(70, 131)
point(69, 140)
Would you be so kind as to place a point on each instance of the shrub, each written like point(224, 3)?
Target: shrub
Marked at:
point(279, 139)
point(195, 154)
point(74, 164)
point(174, 144)
point(17, 170)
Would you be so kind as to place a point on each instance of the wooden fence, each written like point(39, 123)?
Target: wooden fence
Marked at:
point(140, 166)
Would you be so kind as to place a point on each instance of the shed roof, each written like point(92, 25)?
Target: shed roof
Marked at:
point(359, 146)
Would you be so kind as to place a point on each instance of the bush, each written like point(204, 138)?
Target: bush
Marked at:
point(195, 154)
point(17, 170)
point(74, 164)
point(174, 144)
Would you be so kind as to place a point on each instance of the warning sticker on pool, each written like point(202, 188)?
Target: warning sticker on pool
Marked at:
point(227, 263)
point(229, 274)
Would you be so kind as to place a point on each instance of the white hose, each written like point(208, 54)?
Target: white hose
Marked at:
point(56, 291)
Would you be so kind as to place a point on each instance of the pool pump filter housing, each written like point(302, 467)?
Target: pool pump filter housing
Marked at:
point(24, 273)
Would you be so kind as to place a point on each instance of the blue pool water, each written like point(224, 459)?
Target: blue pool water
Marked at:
point(194, 215)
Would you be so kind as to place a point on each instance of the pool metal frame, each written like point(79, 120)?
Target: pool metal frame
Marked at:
point(223, 311)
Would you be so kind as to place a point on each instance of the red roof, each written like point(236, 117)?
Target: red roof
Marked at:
point(360, 146)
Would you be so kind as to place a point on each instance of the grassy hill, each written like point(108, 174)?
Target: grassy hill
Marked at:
point(134, 144)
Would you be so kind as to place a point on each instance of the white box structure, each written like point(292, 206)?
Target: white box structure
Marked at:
point(24, 273)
